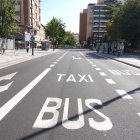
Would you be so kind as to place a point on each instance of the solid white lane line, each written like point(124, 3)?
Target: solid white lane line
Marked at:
point(97, 69)
point(7, 107)
point(110, 81)
point(124, 94)
point(102, 74)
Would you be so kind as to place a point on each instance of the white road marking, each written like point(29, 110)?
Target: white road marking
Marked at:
point(75, 58)
point(110, 81)
point(124, 94)
point(93, 65)
point(8, 77)
point(102, 74)
point(7, 107)
point(97, 69)
point(138, 114)
point(5, 87)
point(53, 105)
point(52, 66)
point(63, 55)
point(55, 62)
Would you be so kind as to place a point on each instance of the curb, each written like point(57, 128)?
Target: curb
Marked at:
point(120, 61)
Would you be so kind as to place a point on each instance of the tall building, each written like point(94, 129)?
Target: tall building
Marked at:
point(28, 17)
point(96, 21)
point(83, 27)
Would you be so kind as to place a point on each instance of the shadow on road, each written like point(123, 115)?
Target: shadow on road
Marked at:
point(106, 103)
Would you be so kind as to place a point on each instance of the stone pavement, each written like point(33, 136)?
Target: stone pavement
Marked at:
point(129, 59)
point(17, 56)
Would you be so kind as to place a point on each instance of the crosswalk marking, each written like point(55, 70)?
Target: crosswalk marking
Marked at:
point(124, 94)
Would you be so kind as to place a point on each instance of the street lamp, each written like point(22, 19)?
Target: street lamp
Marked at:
point(53, 32)
point(32, 30)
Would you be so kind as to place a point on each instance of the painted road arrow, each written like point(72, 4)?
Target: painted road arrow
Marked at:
point(7, 77)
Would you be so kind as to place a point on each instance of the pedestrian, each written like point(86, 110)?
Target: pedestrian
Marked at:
point(27, 49)
point(122, 48)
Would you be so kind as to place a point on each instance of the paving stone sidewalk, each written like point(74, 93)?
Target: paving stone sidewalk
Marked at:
point(18, 56)
point(129, 59)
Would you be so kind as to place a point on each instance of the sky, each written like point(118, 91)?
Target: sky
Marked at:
point(66, 10)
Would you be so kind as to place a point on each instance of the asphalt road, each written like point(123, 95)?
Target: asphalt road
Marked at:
point(71, 94)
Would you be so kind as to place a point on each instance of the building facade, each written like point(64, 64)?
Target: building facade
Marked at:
point(83, 27)
point(28, 17)
point(96, 22)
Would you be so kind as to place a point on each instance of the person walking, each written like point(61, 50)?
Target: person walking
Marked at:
point(27, 48)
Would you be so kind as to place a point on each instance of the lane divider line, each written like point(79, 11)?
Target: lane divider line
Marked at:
point(97, 69)
point(102, 74)
point(7, 107)
point(110, 81)
point(124, 94)
point(52, 66)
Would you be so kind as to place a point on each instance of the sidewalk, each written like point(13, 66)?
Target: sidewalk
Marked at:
point(129, 59)
point(17, 56)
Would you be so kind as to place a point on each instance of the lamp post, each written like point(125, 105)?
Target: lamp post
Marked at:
point(32, 30)
point(53, 32)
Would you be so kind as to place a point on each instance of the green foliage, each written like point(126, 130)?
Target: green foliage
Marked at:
point(8, 25)
point(55, 29)
point(69, 39)
point(126, 24)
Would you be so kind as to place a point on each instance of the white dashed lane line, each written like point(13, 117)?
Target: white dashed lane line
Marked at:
point(102, 74)
point(110, 81)
point(52, 66)
point(124, 94)
point(138, 114)
point(97, 69)
point(93, 65)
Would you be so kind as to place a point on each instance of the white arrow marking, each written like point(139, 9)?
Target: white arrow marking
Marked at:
point(7, 107)
point(3, 88)
point(8, 77)
point(76, 58)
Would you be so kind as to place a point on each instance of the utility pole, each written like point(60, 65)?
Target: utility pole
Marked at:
point(32, 30)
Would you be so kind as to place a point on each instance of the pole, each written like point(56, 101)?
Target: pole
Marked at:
point(99, 29)
point(53, 33)
point(32, 26)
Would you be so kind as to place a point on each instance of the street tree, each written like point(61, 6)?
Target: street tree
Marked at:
point(55, 30)
point(126, 24)
point(8, 24)
point(69, 39)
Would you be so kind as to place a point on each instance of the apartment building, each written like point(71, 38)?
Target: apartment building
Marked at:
point(28, 17)
point(96, 21)
point(83, 27)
